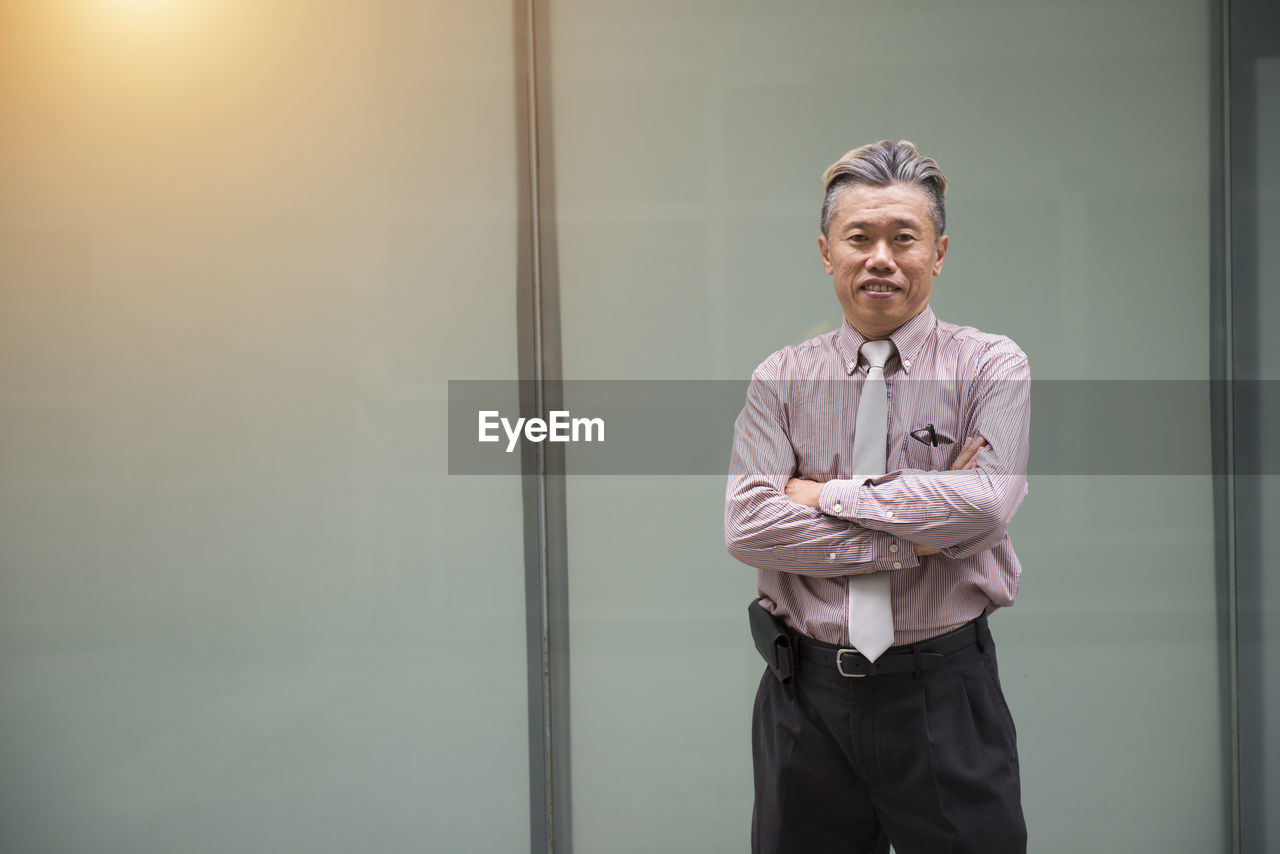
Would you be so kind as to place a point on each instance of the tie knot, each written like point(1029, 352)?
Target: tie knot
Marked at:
point(877, 353)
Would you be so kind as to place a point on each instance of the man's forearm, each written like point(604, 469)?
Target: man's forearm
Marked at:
point(767, 530)
point(938, 509)
point(929, 523)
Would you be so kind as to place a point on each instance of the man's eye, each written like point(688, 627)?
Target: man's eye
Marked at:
point(858, 238)
point(905, 238)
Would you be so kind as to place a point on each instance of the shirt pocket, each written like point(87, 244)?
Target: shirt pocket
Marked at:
point(914, 454)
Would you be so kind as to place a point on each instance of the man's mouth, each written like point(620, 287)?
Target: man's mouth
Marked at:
point(880, 287)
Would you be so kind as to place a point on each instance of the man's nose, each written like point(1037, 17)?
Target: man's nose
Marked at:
point(881, 258)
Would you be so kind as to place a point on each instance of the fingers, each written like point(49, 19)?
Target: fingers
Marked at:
point(968, 458)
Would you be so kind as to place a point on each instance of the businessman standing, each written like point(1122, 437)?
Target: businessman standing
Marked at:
point(873, 474)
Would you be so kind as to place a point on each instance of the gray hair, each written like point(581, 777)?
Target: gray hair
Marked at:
point(881, 164)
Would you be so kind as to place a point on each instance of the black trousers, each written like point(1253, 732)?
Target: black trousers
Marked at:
point(928, 761)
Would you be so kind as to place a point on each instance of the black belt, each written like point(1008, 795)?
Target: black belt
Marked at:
point(909, 658)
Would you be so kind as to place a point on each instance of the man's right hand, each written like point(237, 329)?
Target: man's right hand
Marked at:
point(965, 462)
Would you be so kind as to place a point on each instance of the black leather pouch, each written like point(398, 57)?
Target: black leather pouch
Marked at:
point(773, 642)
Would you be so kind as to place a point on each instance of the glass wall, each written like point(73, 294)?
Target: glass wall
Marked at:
point(243, 607)
point(244, 247)
point(690, 141)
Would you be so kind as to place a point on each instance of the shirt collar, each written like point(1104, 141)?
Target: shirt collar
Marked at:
point(907, 340)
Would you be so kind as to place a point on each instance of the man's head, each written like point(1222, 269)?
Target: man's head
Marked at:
point(882, 240)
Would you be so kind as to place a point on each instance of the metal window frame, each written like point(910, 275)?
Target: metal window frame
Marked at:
point(1222, 412)
point(1250, 30)
point(542, 464)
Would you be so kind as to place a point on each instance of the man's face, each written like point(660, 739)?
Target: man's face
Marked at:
point(881, 254)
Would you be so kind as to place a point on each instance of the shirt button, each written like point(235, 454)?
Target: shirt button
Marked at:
point(894, 548)
point(852, 365)
point(906, 363)
point(836, 508)
point(888, 514)
point(831, 556)
point(897, 565)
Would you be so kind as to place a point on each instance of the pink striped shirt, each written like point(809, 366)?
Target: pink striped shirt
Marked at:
point(798, 422)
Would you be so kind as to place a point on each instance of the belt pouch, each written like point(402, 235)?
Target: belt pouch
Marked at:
point(773, 642)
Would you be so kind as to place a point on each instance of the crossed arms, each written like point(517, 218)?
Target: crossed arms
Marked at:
point(776, 521)
point(809, 492)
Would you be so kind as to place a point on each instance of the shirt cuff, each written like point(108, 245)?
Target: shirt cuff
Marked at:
point(839, 498)
point(887, 554)
point(896, 553)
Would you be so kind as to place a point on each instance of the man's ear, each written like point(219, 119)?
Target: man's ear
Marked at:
point(941, 250)
point(825, 251)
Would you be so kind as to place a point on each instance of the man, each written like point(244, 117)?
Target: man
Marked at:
point(880, 718)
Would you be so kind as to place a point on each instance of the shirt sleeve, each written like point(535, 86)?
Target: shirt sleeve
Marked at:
point(960, 512)
point(765, 529)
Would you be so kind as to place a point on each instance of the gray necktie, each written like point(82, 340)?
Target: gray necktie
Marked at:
point(870, 605)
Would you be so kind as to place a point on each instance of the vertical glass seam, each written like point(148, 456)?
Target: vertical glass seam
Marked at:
point(546, 570)
point(533, 487)
point(1222, 116)
point(539, 367)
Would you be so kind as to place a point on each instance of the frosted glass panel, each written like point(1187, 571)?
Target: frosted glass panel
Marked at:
point(243, 246)
point(690, 141)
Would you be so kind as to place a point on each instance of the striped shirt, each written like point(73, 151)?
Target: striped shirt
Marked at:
point(798, 422)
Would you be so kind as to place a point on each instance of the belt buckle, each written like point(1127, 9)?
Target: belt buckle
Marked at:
point(840, 664)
